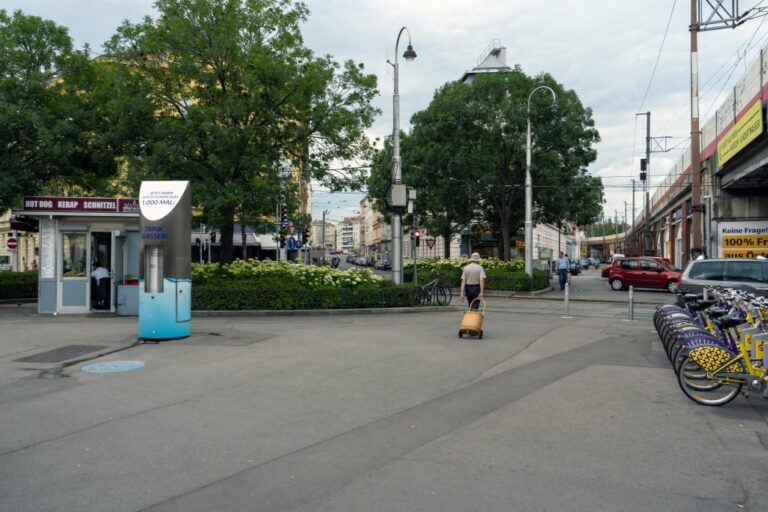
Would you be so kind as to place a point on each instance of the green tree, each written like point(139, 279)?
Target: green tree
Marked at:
point(468, 150)
point(235, 97)
point(51, 129)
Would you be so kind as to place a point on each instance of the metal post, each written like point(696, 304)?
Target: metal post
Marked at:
point(631, 302)
point(397, 178)
point(529, 185)
point(567, 300)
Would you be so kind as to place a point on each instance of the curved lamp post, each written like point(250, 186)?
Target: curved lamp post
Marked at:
point(397, 176)
point(529, 186)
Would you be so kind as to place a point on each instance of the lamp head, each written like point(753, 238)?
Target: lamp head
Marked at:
point(409, 53)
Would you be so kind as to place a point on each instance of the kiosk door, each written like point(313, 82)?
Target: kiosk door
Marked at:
point(105, 253)
point(73, 271)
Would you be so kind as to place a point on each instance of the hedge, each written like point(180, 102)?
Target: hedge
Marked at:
point(496, 279)
point(18, 285)
point(232, 296)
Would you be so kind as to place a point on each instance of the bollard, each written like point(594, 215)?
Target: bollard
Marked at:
point(631, 302)
point(705, 292)
point(567, 300)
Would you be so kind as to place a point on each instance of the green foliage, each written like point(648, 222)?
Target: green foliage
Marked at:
point(255, 284)
point(18, 285)
point(229, 96)
point(500, 275)
point(52, 131)
point(466, 156)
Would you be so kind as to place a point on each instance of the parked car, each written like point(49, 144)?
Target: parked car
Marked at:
point(742, 273)
point(584, 263)
point(595, 262)
point(643, 272)
point(575, 268)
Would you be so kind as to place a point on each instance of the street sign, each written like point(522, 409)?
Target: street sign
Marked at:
point(12, 243)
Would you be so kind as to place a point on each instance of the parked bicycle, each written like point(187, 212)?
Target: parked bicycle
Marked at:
point(434, 291)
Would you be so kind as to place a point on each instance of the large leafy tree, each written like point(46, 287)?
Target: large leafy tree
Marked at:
point(236, 98)
point(467, 150)
point(51, 129)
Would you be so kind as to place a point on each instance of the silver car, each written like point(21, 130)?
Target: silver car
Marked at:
point(744, 273)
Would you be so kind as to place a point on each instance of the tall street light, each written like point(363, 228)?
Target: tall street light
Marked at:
point(399, 195)
point(529, 186)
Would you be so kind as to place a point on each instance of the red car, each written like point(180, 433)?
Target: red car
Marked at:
point(643, 272)
point(606, 272)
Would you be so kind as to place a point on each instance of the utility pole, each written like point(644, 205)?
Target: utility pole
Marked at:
point(325, 212)
point(634, 235)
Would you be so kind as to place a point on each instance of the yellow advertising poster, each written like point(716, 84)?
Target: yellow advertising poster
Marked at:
point(745, 239)
point(742, 133)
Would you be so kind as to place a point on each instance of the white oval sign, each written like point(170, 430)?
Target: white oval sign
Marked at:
point(158, 198)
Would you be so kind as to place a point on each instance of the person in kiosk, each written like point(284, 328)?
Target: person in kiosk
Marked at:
point(473, 281)
point(100, 279)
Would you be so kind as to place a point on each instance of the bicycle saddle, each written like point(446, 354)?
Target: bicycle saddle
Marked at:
point(690, 297)
point(726, 322)
point(704, 304)
point(717, 312)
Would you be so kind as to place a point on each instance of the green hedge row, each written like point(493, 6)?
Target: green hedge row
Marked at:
point(18, 285)
point(496, 279)
point(233, 296)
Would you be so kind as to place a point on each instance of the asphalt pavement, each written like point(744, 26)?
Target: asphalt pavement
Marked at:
point(556, 408)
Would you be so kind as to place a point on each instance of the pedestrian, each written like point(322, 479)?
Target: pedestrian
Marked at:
point(473, 281)
point(563, 267)
point(98, 275)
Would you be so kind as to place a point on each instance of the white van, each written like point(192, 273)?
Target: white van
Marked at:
point(614, 257)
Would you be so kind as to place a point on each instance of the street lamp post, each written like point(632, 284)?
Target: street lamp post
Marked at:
point(529, 186)
point(398, 198)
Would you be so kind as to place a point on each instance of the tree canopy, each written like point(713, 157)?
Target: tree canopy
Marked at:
point(51, 132)
point(466, 156)
point(229, 97)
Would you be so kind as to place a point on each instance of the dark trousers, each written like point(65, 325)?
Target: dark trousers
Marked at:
point(563, 274)
point(472, 291)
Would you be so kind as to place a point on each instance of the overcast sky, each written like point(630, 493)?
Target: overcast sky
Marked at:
point(604, 50)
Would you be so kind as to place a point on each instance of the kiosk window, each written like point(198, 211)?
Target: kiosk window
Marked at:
point(74, 252)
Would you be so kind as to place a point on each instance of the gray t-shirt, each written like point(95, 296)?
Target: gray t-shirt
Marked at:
point(472, 274)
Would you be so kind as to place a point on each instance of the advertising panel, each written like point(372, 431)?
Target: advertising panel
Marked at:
point(742, 239)
point(742, 133)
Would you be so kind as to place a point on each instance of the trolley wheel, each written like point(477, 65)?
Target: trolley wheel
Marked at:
point(480, 334)
point(461, 334)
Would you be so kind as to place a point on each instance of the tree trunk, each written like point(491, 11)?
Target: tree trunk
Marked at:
point(244, 240)
point(227, 231)
point(447, 234)
point(504, 228)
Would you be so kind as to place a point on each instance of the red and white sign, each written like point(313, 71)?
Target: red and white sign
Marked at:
point(12, 243)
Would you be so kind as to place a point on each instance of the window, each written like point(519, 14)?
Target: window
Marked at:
point(710, 270)
point(649, 266)
point(629, 265)
point(74, 247)
point(748, 271)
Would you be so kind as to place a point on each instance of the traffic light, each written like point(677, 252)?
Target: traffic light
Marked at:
point(213, 237)
point(305, 236)
point(416, 237)
point(283, 215)
point(197, 242)
point(643, 169)
point(282, 240)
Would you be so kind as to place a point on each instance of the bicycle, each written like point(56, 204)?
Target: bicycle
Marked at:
point(433, 290)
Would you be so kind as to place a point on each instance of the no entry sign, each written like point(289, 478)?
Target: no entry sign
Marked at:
point(12, 243)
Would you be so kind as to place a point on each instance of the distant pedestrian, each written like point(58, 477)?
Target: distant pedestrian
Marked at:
point(473, 281)
point(563, 267)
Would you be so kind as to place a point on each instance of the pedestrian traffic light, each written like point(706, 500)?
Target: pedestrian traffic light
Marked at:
point(305, 236)
point(197, 242)
point(213, 237)
point(416, 237)
point(283, 215)
point(282, 240)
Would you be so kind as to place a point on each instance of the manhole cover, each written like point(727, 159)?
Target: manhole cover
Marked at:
point(113, 366)
point(61, 354)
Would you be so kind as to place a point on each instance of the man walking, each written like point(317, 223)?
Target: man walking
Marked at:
point(563, 267)
point(473, 281)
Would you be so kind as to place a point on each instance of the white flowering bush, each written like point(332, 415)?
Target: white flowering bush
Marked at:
point(289, 274)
